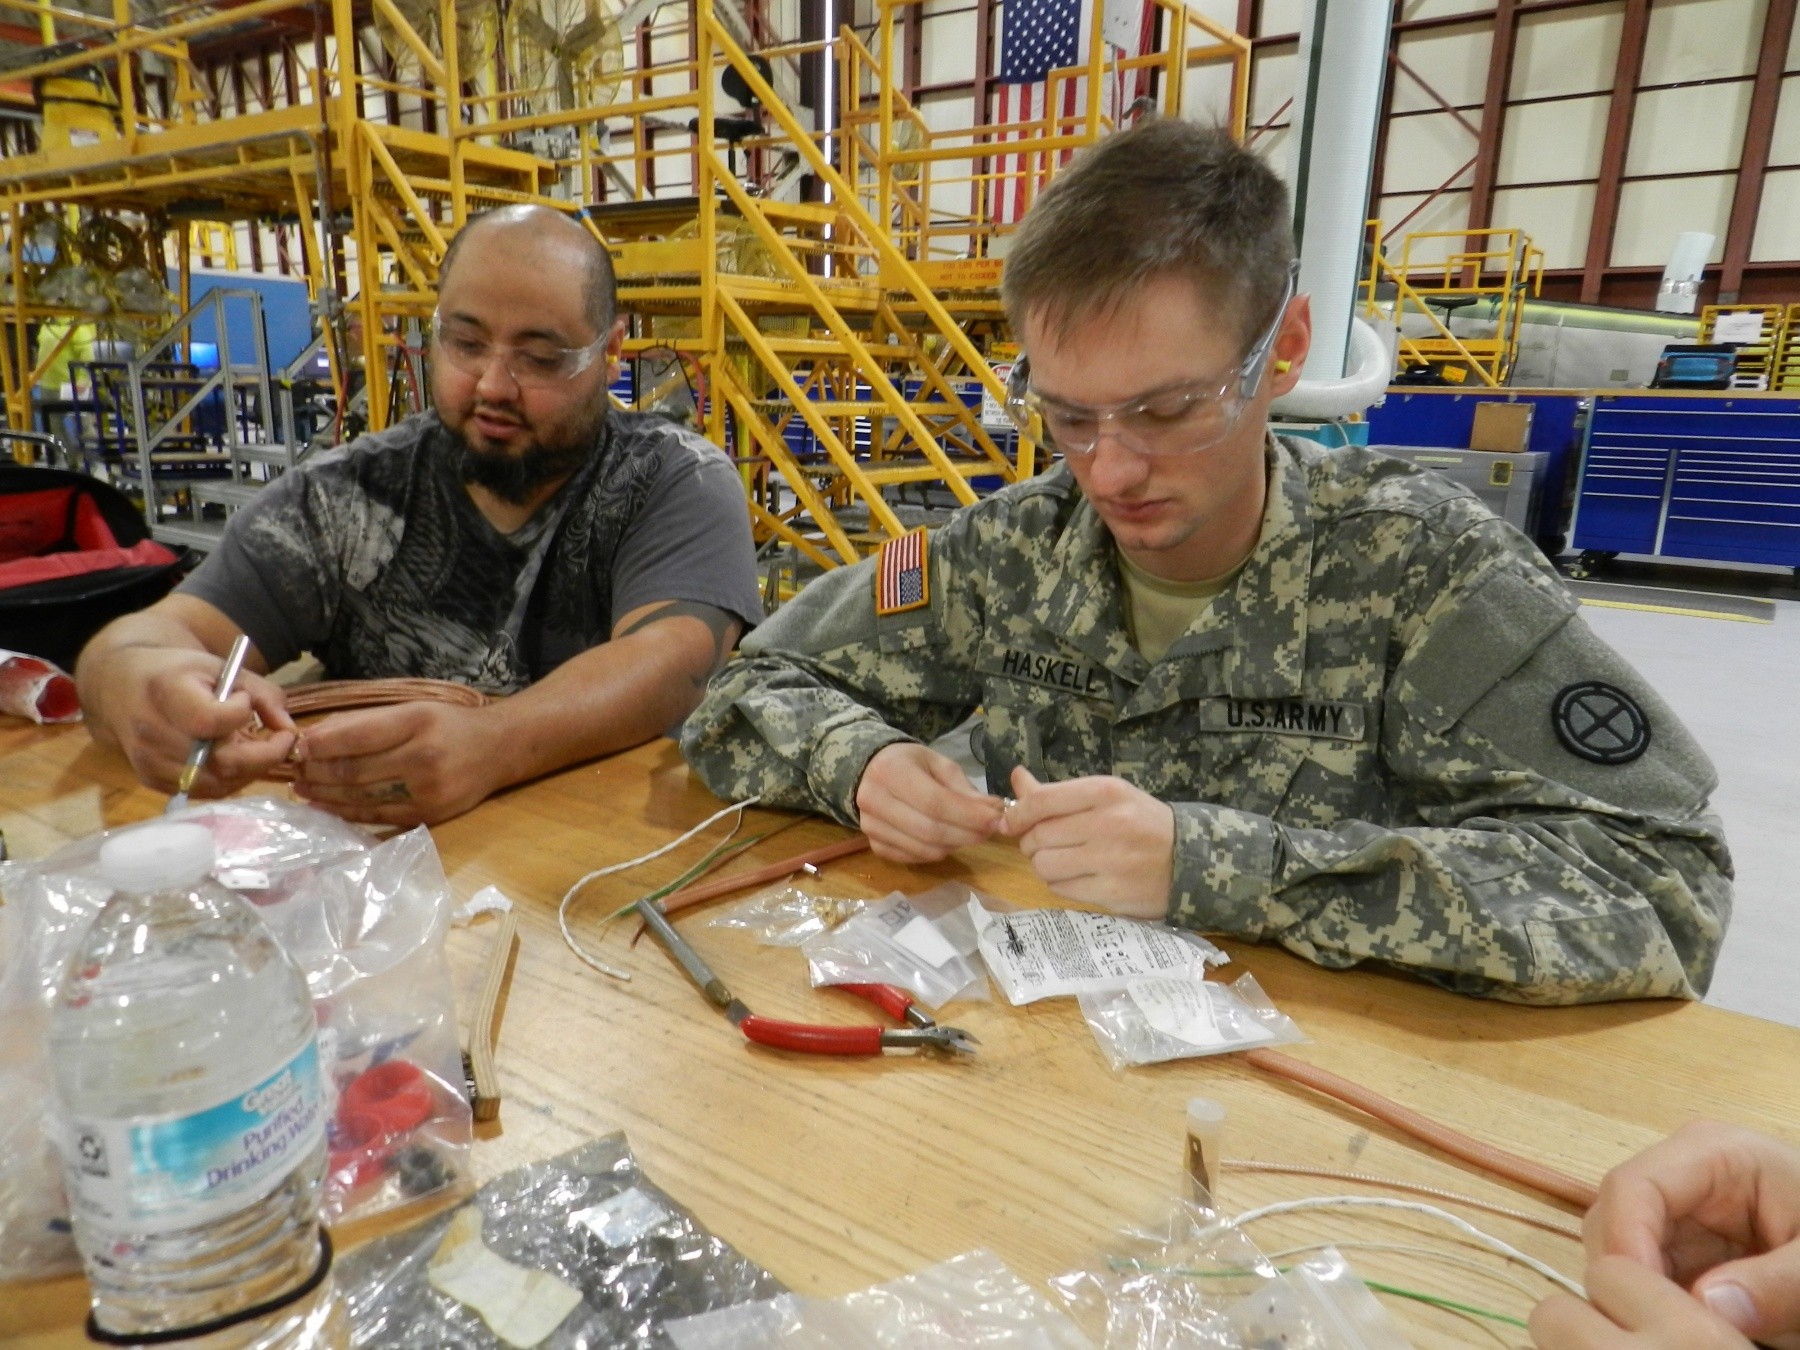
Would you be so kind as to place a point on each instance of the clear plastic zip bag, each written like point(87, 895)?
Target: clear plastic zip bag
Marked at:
point(581, 1252)
point(971, 1300)
point(1320, 1304)
point(924, 943)
point(787, 915)
point(1192, 1281)
point(1152, 1020)
point(1056, 953)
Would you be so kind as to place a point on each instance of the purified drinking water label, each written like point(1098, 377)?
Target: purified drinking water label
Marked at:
point(162, 1174)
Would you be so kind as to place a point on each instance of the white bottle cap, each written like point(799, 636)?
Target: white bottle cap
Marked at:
point(1205, 1114)
point(157, 857)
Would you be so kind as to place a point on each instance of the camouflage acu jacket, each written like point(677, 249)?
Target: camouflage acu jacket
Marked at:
point(1393, 739)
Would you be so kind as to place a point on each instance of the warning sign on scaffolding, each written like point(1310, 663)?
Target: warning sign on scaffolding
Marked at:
point(992, 414)
point(962, 274)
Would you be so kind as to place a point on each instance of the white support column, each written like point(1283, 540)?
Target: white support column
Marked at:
point(1337, 110)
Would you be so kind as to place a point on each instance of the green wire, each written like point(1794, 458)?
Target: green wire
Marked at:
point(1121, 1263)
point(1449, 1303)
point(723, 853)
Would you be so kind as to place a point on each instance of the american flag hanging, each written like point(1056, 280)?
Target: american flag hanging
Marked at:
point(1018, 106)
point(1038, 36)
point(901, 579)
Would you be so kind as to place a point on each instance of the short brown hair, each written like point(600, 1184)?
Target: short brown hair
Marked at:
point(1167, 197)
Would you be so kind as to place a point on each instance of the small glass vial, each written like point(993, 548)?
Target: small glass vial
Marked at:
point(1205, 1142)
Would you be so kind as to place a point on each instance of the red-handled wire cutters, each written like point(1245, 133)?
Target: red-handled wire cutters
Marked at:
point(806, 1037)
point(924, 1032)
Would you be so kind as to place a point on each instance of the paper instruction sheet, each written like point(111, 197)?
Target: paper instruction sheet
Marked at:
point(1050, 953)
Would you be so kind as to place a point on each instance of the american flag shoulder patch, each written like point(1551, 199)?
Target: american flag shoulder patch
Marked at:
point(902, 579)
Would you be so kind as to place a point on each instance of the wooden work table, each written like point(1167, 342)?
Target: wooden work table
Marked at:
point(837, 1174)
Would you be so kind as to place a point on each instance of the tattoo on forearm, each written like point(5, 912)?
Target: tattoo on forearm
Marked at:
point(717, 621)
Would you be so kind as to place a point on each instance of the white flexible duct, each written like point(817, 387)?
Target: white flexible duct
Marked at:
point(1323, 400)
point(1336, 117)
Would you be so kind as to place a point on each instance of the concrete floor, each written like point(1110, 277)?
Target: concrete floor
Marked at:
point(1733, 684)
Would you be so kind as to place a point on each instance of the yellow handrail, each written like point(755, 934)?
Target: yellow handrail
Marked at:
point(846, 195)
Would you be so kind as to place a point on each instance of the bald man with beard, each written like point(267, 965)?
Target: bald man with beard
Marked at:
point(522, 537)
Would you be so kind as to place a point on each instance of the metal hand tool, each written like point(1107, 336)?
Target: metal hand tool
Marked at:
point(804, 1037)
point(197, 757)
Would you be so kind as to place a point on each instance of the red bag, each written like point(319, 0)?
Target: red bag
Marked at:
point(74, 555)
point(32, 687)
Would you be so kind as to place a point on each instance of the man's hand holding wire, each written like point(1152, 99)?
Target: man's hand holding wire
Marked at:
point(917, 806)
point(1098, 841)
point(1694, 1243)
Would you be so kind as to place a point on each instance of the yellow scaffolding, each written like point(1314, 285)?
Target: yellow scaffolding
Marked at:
point(1439, 272)
point(842, 347)
point(1765, 361)
point(281, 163)
point(864, 323)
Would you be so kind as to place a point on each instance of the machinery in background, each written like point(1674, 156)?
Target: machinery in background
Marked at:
point(1684, 366)
point(1512, 486)
point(1475, 424)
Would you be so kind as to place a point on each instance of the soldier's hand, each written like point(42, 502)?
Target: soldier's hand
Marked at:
point(1630, 1308)
point(1097, 841)
point(918, 806)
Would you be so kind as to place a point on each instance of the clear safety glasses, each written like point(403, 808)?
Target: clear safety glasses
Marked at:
point(1178, 421)
point(533, 365)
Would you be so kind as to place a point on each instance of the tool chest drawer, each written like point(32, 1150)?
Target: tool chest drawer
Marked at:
point(1692, 477)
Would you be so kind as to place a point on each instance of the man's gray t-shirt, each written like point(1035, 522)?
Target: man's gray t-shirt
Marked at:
point(373, 557)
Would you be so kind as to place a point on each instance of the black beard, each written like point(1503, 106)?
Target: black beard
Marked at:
point(516, 479)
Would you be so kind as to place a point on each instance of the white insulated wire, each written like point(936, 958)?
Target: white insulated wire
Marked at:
point(1487, 1240)
point(1550, 1225)
point(1490, 1270)
point(562, 910)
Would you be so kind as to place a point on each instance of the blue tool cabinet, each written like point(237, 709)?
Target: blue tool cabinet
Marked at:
point(1709, 476)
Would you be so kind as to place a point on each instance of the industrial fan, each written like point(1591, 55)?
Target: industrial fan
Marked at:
point(566, 54)
point(477, 34)
point(906, 135)
point(101, 266)
point(46, 245)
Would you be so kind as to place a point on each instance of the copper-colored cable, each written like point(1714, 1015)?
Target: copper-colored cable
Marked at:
point(308, 700)
point(336, 695)
point(699, 893)
point(1545, 1180)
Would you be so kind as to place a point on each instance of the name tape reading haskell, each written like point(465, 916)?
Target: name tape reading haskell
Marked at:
point(1326, 718)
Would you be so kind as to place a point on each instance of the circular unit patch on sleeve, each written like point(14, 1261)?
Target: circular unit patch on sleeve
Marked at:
point(1600, 723)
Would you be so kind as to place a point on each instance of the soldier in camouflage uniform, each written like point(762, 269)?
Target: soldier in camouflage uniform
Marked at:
point(1382, 733)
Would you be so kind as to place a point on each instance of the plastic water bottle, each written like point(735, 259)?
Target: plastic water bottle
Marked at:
point(186, 1059)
